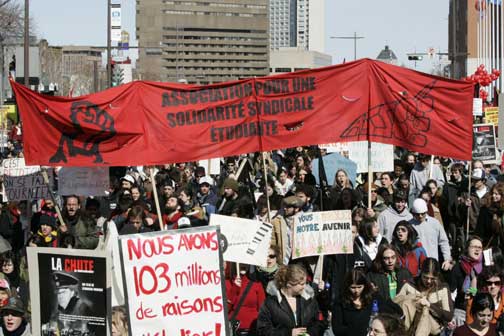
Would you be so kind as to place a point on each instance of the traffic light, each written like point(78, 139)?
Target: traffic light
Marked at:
point(415, 57)
point(117, 75)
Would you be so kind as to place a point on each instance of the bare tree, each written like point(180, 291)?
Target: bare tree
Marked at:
point(11, 19)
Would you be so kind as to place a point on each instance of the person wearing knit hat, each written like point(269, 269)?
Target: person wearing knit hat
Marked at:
point(431, 233)
point(47, 235)
point(231, 184)
point(232, 203)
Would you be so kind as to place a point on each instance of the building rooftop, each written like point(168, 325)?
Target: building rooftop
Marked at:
point(386, 55)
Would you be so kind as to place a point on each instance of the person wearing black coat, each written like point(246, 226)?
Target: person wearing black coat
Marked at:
point(290, 308)
point(352, 312)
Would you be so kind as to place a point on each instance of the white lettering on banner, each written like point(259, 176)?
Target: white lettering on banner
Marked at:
point(245, 240)
point(174, 282)
point(23, 182)
point(321, 233)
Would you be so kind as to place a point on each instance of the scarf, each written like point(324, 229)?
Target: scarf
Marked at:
point(471, 269)
point(268, 269)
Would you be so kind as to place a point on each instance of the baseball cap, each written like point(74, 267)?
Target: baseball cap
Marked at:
point(128, 178)
point(419, 206)
point(206, 179)
point(478, 174)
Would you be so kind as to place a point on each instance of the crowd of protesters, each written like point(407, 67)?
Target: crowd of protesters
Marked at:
point(426, 259)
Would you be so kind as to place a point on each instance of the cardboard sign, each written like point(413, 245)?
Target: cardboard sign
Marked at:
point(477, 107)
point(174, 282)
point(86, 181)
point(68, 291)
point(244, 240)
point(484, 146)
point(212, 166)
point(321, 233)
point(382, 156)
point(492, 115)
point(332, 163)
point(24, 182)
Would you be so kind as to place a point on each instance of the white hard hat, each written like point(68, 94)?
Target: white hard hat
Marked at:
point(419, 206)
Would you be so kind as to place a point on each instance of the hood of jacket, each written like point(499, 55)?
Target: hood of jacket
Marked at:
point(360, 240)
point(273, 290)
point(403, 213)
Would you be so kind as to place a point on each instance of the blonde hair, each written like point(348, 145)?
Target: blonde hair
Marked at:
point(293, 273)
point(120, 320)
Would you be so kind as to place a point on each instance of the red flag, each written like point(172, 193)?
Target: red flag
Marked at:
point(144, 123)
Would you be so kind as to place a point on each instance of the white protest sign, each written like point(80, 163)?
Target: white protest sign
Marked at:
point(321, 233)
point(382, 156)
point(245, 240)
point(23, 182)
point(477, 107)
point(212, 166)
point(174, 282)
point(86, 181)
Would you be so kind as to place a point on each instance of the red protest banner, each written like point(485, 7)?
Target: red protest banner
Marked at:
point(174, 282)
point(144, 123)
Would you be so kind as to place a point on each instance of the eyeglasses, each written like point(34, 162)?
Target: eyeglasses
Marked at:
point(401, 229)
point(420, 214)
point(495, 283)
point(374, 191)
point(271, 256)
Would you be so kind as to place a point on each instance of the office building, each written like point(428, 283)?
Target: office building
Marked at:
point(202, 41)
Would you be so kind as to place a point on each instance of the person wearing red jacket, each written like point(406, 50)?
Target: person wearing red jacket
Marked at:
point(249, 310)
point(410, 252)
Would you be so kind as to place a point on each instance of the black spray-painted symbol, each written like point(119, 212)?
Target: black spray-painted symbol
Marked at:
point(406, 119)
point(85, 117)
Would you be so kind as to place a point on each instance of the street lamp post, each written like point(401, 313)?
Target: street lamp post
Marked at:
point(27, 43)
point(109, 44)
point(354, 37)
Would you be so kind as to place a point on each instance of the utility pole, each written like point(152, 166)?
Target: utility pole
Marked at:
point(109, 43)
point(27, 44)
point(354, 38)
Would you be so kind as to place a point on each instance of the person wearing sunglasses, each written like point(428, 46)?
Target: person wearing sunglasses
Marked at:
point(431, 234)
point(489, 281)
point(410, 252)
point(266, 274)
point(464, 276)
point(13, 319)
point(482, 310)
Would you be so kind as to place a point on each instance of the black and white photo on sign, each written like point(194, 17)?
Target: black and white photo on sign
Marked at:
point(69, 291)
point(484, 144)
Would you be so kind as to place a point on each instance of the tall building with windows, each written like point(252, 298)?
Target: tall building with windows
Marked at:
point(202, 41)
point(297, 23)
